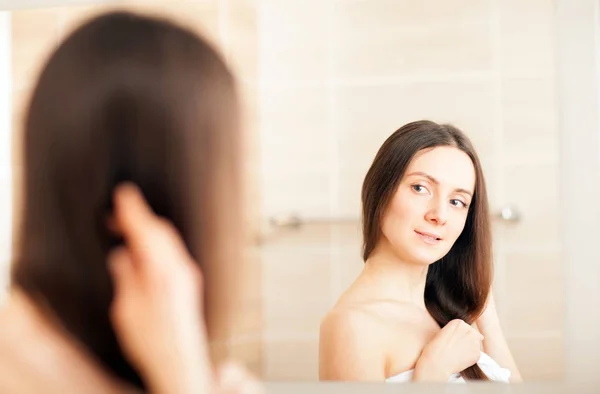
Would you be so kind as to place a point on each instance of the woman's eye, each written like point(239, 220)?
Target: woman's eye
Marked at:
point(419, 188)
point(458, 203)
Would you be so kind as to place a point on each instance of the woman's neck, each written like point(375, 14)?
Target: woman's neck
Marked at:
point(394, 278)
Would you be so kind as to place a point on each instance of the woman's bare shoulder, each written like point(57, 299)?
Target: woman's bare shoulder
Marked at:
point(386, 337)
point(364, 341)
point(346, 321)
point(385, 317)
point(34, 358)
point(349, 346)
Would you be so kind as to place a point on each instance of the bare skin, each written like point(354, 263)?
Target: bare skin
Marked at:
point(157, 286)
point(380, 326)
point(372, 340)
point(373, 337)
point(36, 356)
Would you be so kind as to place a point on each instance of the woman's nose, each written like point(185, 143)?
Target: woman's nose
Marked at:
point(437, 213)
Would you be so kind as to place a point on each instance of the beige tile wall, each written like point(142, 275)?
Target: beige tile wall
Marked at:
point(337, 78)
point(331, 80)
point(232, 25)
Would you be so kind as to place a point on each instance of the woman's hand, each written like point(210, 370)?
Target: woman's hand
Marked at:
point(233, 379)
point(157, 309)
point(456, 347)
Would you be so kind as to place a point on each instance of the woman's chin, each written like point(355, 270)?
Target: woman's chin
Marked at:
point(426, 258)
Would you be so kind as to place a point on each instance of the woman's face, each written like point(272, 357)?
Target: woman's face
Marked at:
point(429, 209)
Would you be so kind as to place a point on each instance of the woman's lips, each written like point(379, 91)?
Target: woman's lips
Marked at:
point(429, 238)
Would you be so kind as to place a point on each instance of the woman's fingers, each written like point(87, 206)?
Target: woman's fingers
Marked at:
point(144, 231)
point(121, 268)
point(234, 379)
point(132, 216)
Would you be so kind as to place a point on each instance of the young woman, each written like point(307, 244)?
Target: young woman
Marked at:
point(134, 99)
point(428, 270)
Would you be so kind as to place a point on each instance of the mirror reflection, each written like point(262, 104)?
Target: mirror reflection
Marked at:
point(393, 150)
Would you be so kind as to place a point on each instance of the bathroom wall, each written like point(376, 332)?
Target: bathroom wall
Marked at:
point(231, 25)
point(578, 72)
point(325, 82)
point(337, 77)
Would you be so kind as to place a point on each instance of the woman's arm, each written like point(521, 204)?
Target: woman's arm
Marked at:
point(494, 342)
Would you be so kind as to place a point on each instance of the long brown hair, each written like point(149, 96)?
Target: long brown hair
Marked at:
point(458, 284)
point(125, 97)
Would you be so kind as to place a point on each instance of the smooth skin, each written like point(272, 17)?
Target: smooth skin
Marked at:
point(157, 309)
point(380, 327)
point(157, 315)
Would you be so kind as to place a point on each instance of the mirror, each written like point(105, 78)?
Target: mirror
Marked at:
point(337, 78)
point(324, 83)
